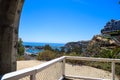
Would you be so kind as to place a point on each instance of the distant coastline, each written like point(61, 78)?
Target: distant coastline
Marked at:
point(35, 51)
point(43, 44)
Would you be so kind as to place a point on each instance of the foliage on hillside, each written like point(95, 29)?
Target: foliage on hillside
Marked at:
point(20, 50)
point(107, 53)
point(77, 47)
point(99, 43)
point(47, 47)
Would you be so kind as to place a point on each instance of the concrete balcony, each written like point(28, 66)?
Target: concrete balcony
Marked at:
point(56, 70)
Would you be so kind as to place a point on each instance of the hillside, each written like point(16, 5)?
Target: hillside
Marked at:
point(98, 43)
point(78, 47)
point(109, 39)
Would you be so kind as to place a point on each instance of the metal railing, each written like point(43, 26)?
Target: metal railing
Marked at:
point(36, 73)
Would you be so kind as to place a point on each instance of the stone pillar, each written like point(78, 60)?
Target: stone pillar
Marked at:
point(10, 11)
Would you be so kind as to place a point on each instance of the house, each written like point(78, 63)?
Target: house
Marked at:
point(111, 27)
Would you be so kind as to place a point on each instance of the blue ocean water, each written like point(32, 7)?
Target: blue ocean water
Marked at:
point(35, 51)
point(43, 44)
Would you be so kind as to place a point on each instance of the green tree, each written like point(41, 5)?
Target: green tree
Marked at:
point(62, 49)
point(56, 51)
point(20, 49)
point(48, 47)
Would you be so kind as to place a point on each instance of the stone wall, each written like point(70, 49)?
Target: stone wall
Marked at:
point(10, 11)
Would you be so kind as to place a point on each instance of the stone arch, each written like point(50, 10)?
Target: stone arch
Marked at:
point(10, 11)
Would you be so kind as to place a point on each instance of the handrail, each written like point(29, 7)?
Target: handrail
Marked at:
point(30, 71)
point(49, 63)
point(113, 61)
point(93, 59)
point(19, 74)
point(34, 70)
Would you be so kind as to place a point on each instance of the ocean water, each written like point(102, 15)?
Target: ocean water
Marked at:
point(36, 51)
point(43, 44)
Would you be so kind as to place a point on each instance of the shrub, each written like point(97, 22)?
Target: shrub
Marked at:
point(20, 49)
point(20, 58)
point(46, 55)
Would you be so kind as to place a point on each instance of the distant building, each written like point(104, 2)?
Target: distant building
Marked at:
point(111, 27)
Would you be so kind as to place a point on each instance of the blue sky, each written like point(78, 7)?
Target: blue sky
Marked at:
point(61, 21)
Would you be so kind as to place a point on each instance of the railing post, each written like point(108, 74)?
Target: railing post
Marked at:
point(63, 68)
point(33, 77)
point(113, 70)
